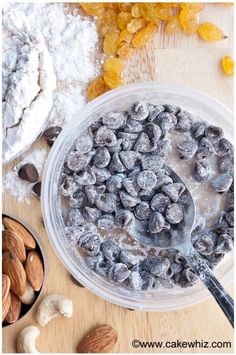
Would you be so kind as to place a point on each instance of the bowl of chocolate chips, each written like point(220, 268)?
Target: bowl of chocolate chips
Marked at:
point(106, 181)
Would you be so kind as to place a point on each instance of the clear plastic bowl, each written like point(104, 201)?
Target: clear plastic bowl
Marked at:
point(202, 106)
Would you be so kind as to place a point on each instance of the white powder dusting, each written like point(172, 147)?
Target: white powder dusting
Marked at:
point(72, 41)
point(18, 188)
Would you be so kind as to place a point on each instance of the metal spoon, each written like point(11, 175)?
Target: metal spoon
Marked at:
point(178, 237)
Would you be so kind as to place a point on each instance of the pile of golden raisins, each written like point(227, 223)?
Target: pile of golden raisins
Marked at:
point(126, 26)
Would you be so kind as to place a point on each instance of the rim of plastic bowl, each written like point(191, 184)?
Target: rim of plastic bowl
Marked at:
point(52, 222)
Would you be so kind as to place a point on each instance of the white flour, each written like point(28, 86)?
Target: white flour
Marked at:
point(72, 42)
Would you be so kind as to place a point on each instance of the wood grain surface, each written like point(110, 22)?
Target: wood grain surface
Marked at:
point(180, 59)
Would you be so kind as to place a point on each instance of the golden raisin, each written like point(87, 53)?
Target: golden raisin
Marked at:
point(125, 6)
point(135, 25)
point(124, 51)
point(125, 36)
point(173, 25)
point(96, 88)
point(193, 6)
point(110, 43)
point(141, 37)
point(210, 32)
point(163, 13)
point(113, 64)
point(112, 79)
point(148, 12)
point(123, 20)
point(188, 21)
point(227, 63)
point(107, 22)
point(135, 11)
point(92, 9)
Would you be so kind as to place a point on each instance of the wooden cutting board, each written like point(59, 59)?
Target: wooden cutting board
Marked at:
point(180, 59)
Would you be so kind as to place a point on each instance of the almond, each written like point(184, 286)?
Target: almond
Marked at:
point(6, 298)
point(34, 270)
point(11, 242)
point(100, 340)
point(13, 268)
point(13, 313)
point(22, 232)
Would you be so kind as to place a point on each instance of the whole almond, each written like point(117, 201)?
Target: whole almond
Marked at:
point(100, 340)
point(34, 270)
point(12, 242)
point(25, 235)
point(13, 313)
point(13, 268)
point(6, 298)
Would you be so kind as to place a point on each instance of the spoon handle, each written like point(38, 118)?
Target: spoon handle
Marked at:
point(207, 277)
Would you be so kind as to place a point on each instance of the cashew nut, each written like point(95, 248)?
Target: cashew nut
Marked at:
point(26, 340)
point(53, 306)
point(29, 296)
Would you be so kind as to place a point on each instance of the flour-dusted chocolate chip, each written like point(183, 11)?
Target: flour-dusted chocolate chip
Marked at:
point(163, 148)
point(116, 165)
point(222, 182)
point(77, 161)
point(160, 202)
point(224, 148)
point(163, 180)
point(119, 273)
point(106, 202)
point(134, 281)
point(114, 119)
point(111, 250)
point(139, 111)
point(130, 159)
point(155, 265)
point(133, 126)
point(77, 199)
point(106, 222)
point(92, 213)
point(185, 121)
point(174, 213)
point(128, 258)
point(143, 144)
point(28, 172)
point(101, 157)
point(152, 162)
point(105, 137)
point(153, 132)
point(213, 133)
point(131, 186)
point(51, 134)
point(101, 174)
point(124, 219)
point(90, 243)
point(171, 108)
point(154, 111)
point(114, 183)
point(202, 171)
point(156, 222)
point(205, 149)
point(173, 191)
point(84, 144)
point(166, 121)
point(142, 211)
point(127, 200)
point(187, 148)
point(146, 180)
point(86, 177)
point(198, 130)
point(37, 189)
point(227, 164)
point(68, 186)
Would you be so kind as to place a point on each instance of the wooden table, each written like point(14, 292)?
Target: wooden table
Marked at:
point(181, 59)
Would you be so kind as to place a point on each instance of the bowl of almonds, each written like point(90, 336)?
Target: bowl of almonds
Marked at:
point(23, 269)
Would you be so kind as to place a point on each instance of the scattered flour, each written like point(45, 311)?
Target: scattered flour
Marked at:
point(72, 42)
point(18, 188)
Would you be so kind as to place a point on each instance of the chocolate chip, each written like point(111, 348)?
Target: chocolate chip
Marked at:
point(51, 134)
point(29, 173)
point(37, 188)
